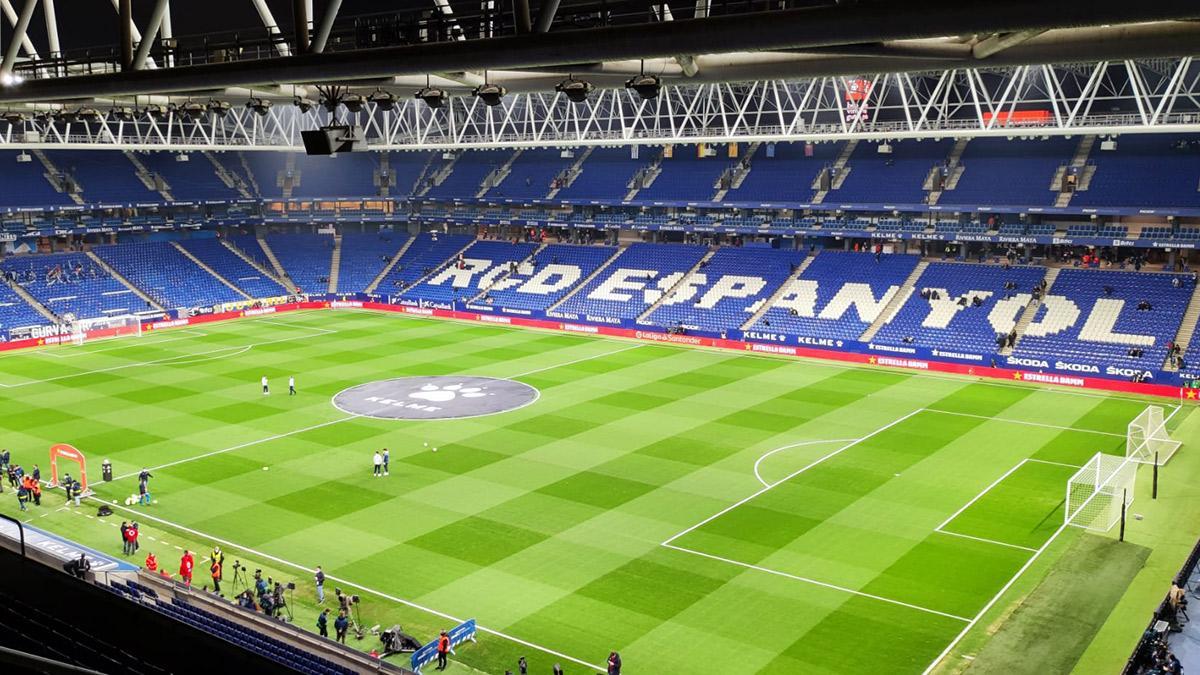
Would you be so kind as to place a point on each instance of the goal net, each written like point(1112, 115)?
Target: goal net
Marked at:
point(102, 328)
point(1099, 492)
point(1147, 438)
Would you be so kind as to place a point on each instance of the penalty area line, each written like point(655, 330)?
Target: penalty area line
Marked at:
point(789, 447)
point(351, 584)
point(814, 582)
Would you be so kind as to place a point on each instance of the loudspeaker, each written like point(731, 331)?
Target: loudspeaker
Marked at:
point(332, 140)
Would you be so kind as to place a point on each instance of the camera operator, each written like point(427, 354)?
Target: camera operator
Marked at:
point(277, 601)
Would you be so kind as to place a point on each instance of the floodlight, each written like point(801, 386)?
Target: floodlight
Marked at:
point(647, 86)
point(490, 94)
point(122, 113)
point(434, 98)
point(304, 104)
point(259, 105)
point(354, 102)
point(194, 110)
point(385, 100)
point(575, 90)
point(219, 108)
point(13, 117)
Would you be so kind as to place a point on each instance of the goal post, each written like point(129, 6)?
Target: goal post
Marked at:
point(105, 327)
point(1100, 491)
point(1147, 439)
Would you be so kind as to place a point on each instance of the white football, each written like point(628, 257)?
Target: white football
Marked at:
point(435, 449)
point(266, 468)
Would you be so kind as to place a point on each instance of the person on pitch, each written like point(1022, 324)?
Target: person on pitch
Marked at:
point(266, 387)
point(186, 562)
point(377, 462)
point(291, 385)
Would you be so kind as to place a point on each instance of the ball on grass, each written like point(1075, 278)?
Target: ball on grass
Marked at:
point(114, 501)
point(427, 444)
point(266, 468)
point(435, 449)
point(155, 501)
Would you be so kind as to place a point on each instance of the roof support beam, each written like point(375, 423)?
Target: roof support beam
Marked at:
point(546, 16)
point(125, 30)
point(300, 14)
point(19, 33)
point(152, 29)
point(326, 26)
point(51, 19)
point(268, 19)
point(24, 40)
point(521, 16)
point(998, 43)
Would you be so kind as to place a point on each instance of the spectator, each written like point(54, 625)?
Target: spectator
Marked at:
point(614, 663)
point(323, 623)
point(443, 648)
point(319, 578)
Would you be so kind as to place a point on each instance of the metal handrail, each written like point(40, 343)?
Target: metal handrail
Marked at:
point(20, 531)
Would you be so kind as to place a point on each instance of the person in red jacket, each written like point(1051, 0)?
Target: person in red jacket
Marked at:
point(185, 567)
point(151, 562)
point(443, 648)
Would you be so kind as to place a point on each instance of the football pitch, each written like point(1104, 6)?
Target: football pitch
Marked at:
point(698, 511)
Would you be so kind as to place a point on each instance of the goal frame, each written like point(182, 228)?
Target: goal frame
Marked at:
point(1110, 482)
point(105, 327)
point(1147, 440)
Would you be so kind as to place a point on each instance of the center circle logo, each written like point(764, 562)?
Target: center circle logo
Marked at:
point(435, 397)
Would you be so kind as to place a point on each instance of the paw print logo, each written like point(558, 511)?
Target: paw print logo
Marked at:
point(432, 392)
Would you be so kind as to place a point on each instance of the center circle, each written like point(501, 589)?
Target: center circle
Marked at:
point(435, 397)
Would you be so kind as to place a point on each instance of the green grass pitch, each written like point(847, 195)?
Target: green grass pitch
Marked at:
point(697, 511)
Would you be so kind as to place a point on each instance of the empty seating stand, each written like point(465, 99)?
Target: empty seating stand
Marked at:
point(25, 183)
point(193, 180)
point(483, 262)
point(558, 269)
point(71, 283)
point(1091, 318)
point(426, 253)
point(648, 269)
point(158, 269)
point(944, 323)
point(861, 285)
point(306, 258)
point(721, 294)
point(213, 253)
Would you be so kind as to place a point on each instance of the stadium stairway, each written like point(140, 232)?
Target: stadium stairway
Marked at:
point(156, 184)
point(249, 174)
point(179, 247)
point(761, 308)
point(1187, 329)
point(889, 312)
point(644, 317)
point(497, 176)
point(572, 172)
point(387, 269)
point(643, 177)
point(51, 172)
point(1079, 161)
point(32, 301)
point(1031, 310)
point(439, 175)
point(522, 266)
point(335, 263)
point(587, 280)
point(839, 173)
point(280, 272)
point(230, 180)
point(280, 277)
point(954, 161)
point(121, 278)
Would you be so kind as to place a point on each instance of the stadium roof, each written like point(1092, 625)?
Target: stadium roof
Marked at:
point(208, 48)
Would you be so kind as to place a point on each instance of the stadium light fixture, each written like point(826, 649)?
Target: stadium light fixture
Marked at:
point(575, 90)
point(433, 97)
point(219, 108)
point(194, 110)
point(259, 105)
point(490, 94)
point(354, 102)
point(13, 117)
point(122, 113)
point(89, 114)
point(384, 100)
point(304, 104)
point(646, 86)
point(160, 112)
point(11, 79)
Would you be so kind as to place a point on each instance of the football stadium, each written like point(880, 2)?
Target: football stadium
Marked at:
point(577, 336)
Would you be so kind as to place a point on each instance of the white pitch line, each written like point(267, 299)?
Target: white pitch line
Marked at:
point(985, 540)
point(182, 359)
point(815, 582)
point(979, 496)
point(345, 582)
point(74, 353)
point(789, 447)
point(568, 363)
point(1024, 423)
point(240, 446)
point(792, 475)
point(995, 598)
point(1046, 461)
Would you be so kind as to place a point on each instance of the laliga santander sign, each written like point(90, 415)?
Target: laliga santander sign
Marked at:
point(69, 452)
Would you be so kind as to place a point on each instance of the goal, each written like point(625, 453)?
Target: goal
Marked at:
point(102, 328)
point(1100, 491)
point(1147, 438)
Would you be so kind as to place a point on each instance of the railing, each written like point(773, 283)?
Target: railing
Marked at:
point(20, 531)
